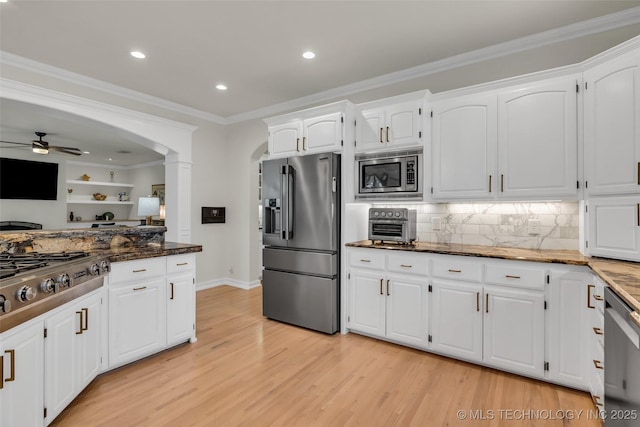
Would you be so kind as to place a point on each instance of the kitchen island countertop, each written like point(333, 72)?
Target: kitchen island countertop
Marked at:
point(622, 276)
point(129, 253)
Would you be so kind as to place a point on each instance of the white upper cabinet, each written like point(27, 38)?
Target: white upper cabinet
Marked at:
point(315, 130)
point(537, 140)
point(464, 135)
point(285, 139)
point(612, 126)
point(614, 227)
point(389, 126)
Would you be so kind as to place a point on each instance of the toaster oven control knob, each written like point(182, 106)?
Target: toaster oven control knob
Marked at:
point(397, 214)
point(104, 266)
point(5, 304)
point(64, 281)
point(48, 286)
point(390, 214)
point(383, 214)
point(94, 270)
point(26, 293)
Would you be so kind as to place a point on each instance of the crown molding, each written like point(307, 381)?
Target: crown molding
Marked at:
point(580, 29)
point(117, 167)
point(568, 32)
point(20, 62)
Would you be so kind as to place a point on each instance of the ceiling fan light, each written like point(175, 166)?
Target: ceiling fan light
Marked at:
point(40, 150)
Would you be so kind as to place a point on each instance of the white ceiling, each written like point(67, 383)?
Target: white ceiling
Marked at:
point(255, 47)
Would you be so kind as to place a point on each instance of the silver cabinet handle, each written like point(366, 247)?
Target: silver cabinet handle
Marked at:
point(365, 260)
point(455, 271)
point(508, 276)
point(181, 264)
point(140, 288)
point(406, 266)
point(140, 271)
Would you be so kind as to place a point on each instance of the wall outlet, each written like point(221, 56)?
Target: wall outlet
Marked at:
point(436, 224)
point(534, 226)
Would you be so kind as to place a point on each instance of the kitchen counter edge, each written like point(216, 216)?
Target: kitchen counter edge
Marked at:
point(622, 276)
point(131, 253)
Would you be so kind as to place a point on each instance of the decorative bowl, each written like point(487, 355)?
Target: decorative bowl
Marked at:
point(85, 177)
point(100, 197)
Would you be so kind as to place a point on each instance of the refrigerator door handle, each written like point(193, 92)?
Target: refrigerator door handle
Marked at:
point(284, 197)
point(290, 201)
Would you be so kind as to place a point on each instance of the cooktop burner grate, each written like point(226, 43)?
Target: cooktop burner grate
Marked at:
point(12, 264)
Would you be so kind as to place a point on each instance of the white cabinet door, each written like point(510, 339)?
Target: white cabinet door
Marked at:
point(180, 308)
point(62, 358)
point(285, 140)
point(90, 355)
point(537, 140)
point(22, 358)
point(614, 227)
point(394, 125)
point(406, 310)
point(514, 330)
point(456, 319)
point(464, 148)
point(323, 133)
point(367, 302)
point(612, 126)
point(370, 130)
point(403, 124)
point(137, 320)
point(567, 328)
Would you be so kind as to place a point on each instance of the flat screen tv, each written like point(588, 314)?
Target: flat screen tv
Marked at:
point(28, 180)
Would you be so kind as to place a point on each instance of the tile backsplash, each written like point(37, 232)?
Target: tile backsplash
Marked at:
point(499, 224)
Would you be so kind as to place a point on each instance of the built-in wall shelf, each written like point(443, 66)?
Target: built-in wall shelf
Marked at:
point(98, 183)
point(83, 200)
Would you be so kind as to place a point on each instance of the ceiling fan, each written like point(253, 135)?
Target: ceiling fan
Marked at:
point(42, 147)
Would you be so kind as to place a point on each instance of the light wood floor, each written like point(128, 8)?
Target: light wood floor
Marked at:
point(246, 370)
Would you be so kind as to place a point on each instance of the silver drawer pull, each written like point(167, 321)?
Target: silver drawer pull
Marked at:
point(139, 289)
point(182, 263)
point(140, 271)
point(508, 276)
point(406, 266)
point(365, 260)
point(455, 271)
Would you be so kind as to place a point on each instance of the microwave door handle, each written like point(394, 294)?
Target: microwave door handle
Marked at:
point(283, 203)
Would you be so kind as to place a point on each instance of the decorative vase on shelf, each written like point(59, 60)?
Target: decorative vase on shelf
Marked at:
point(71, 216)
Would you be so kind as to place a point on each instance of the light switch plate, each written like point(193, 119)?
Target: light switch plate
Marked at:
point(435, 223)
point(534, 226)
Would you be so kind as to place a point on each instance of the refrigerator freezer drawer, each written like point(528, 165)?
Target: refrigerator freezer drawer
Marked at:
point(315, 263)
point(307, 301)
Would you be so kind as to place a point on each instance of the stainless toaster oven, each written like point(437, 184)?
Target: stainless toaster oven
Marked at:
point(392, 225)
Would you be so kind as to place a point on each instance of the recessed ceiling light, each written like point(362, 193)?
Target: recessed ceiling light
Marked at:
point(221, 87)
point(138, 54)
point(86, 152)
point(308, 55)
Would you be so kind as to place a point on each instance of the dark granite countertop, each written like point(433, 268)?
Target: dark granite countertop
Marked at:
point(151, 250)
point(622, 276)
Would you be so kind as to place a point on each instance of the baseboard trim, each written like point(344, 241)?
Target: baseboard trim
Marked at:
point(228, 282)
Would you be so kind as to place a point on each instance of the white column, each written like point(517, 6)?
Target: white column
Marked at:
point(177, 199)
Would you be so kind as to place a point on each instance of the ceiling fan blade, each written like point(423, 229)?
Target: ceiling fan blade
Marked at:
point(66, 150)
point(17, 143)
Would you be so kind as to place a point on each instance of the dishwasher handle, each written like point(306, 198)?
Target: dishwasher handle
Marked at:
point(620, 313)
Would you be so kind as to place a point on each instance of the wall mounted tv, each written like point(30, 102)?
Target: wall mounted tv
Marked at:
point(28, 180)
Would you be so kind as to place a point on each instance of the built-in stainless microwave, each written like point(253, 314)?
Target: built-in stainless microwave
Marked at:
point(394, 175)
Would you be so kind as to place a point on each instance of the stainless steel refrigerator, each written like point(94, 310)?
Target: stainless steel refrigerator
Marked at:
point(301, 234)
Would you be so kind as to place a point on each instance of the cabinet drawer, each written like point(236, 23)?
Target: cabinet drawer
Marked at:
point(408, 263)
point(515, 274)
point(370, 258)
point(139, 269)
point(457, 268)
point(181, 263)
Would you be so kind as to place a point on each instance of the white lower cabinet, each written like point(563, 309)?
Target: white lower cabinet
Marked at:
point(21, 384)
point(137, 320)
point(567, 327)
point(72, 352)
point(523, 317)
point(387, 305)
point(181, 299)
point(514, 330)
point(456, 319)
point(151, 306)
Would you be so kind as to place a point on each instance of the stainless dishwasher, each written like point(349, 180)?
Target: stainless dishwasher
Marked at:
point(622, 362)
